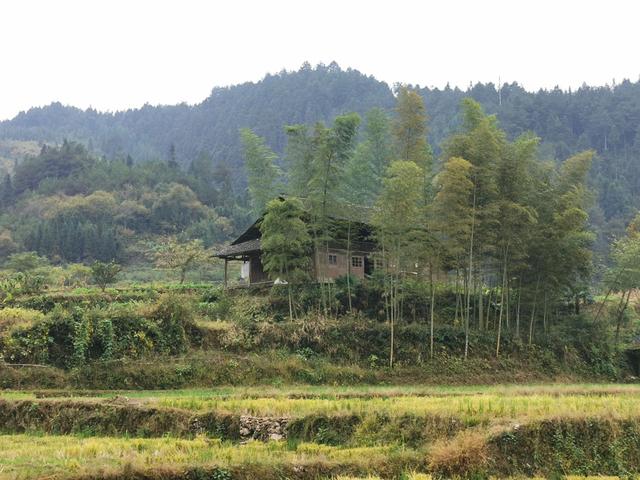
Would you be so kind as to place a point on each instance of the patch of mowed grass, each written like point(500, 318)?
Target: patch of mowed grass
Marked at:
point(28, 456)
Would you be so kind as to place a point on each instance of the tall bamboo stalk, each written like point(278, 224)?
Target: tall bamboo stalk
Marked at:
point(533, 311)
point(470, 272)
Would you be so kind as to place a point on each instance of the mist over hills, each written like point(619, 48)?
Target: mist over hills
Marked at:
point(605, 119)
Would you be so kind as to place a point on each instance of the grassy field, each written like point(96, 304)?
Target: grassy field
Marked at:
point(341, 432)
point(25, 456)
point(467, 403)
point(342, 392)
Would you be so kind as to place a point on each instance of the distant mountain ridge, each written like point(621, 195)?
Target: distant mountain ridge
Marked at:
point(305, 96)
point(606, 119)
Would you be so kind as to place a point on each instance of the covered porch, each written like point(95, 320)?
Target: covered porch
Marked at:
point(247, 252)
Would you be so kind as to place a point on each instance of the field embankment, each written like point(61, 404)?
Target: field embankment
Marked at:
point(321, 432)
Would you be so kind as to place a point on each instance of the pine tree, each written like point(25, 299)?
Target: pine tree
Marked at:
point(6, 192)
point(172, 162)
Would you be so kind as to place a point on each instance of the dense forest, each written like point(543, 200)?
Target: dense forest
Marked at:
point(74, 208)
point(605, 119)
point(205, 136)
point(482, 244)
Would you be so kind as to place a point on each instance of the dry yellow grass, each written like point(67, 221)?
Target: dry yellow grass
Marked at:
point(486, 411)
point(408, 476)
point(471, 404)
point(467, 449)
point(13, 318)
point(471, 408)
point(27, 456)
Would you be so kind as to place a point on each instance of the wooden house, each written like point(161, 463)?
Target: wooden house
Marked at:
point(350, 251)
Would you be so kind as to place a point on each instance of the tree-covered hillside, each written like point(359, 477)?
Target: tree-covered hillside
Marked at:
point(605, 119)
point(305, 96)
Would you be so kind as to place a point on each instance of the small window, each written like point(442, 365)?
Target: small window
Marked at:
point(333, 259)
point(356, 262)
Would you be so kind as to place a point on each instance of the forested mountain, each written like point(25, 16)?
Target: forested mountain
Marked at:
point(306, 96)
point(605, 119)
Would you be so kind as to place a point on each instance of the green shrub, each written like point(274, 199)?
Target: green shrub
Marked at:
point(249, 310)
point(173, 315)
point(216, 304)
point(69, 338)
point(13, 318)
point(28, 344)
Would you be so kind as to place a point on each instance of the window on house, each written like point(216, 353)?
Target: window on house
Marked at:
point(356, 262)
point(333, 259)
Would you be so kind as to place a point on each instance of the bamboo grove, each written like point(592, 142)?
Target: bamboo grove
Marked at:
point(489, 221)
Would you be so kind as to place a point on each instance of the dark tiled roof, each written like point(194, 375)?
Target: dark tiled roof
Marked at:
point(239, 249)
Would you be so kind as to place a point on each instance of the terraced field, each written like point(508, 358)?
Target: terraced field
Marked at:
point(322, 432)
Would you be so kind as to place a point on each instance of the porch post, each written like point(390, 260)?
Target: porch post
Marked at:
point(225, 273)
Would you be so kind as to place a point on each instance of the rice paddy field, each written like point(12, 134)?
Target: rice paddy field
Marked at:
point(299, 432)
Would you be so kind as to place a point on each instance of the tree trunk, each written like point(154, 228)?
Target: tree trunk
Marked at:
point(488, 316)
point(502, 299)
point(290, 303)
point(393, 318)
point(620, 316)
point(470, 272)
point(480, 306)
point(533, 311)
point(507, 300)
point(319, 269)
point(385, 268)
point(349, 265)
point(606, 297)
point(544, 313)
point(457, 289)
point(518, 308)
point(465, 313)
point(431, 312)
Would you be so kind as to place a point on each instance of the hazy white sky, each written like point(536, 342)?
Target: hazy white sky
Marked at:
point(119, 54)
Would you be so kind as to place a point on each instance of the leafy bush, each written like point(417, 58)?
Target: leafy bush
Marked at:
point(15, 318)
point(71, 337)
point(217, 304)
point(29, 344)
point(21, 283)
point(172, 315)
point(249, 310)
point(104, 273)
point(76, 275)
